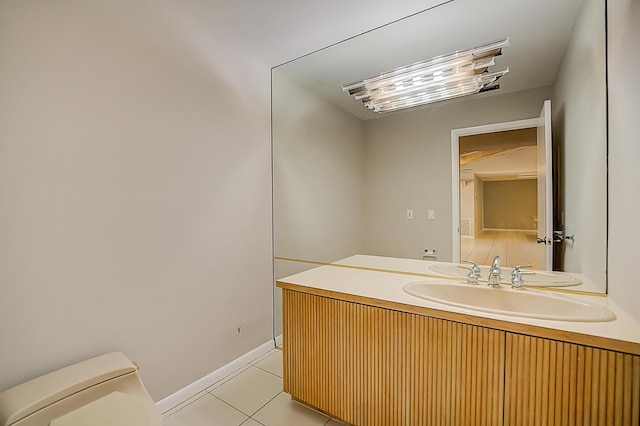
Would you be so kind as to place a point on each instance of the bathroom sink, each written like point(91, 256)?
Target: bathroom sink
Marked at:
point(539, 279)
point(506, 301)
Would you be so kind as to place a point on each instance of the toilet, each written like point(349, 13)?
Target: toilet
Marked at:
point(102, 391)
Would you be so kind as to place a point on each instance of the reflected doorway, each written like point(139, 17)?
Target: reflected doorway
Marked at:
point(498, 197)
point(494, 206)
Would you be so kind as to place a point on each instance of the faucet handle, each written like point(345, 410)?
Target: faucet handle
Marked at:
point(517, 270)
point(474, 272)
point(474, 266)
point(516, 276)
point(518, 267)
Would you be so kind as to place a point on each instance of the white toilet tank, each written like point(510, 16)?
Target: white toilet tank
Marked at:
point(102, 391)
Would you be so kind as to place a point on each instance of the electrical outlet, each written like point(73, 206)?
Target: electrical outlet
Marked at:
point(409, 214)
point(239, 330)
point(431, 214)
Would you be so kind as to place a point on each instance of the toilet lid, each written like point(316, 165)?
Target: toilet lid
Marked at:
point(115, 409)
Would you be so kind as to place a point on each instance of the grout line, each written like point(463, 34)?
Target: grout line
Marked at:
point(234, 407)
point(267, 403)
point(234, 377)
point(267, 371)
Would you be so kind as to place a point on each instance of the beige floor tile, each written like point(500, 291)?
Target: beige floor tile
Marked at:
point(272, 362)
point(249, 390)
point(333, 422)
point(282, 411)
point(206, 411)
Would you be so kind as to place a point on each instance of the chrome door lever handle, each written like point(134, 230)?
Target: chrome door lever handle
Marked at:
point(559, 236)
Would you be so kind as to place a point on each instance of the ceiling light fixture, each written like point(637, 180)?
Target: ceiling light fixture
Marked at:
point(444, 77)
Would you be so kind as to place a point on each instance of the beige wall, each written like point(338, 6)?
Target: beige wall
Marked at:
point(624, 151)
point(579, 129)
point(134, 192)
point(510, 204)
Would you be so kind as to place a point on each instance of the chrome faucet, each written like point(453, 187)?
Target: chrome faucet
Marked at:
point(474, 272)
point(516, 276)
point(494, 273)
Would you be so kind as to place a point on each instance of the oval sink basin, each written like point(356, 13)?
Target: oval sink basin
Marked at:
point(539, 279)
point(506, 301)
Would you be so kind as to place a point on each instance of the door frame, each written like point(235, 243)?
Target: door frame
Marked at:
point(455, 169)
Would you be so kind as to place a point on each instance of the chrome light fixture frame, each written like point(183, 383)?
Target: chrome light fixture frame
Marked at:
point(460, 73)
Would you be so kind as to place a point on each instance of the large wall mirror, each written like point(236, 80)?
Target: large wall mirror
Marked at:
point(346, 177)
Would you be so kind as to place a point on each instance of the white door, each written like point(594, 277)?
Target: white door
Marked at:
point(545, 190)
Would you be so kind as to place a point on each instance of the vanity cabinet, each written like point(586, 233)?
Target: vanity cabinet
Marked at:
point(381, 364)
point(559, 383)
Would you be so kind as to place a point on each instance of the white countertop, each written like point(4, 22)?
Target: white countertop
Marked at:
point(367, 276)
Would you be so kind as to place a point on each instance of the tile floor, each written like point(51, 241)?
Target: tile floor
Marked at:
point(251, 396)
point(514, 247)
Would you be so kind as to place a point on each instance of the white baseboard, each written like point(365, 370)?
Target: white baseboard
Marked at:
point(199, 385)
point(278, 340)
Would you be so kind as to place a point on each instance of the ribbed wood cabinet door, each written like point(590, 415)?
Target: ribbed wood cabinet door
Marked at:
point(557, 383)
point(373, 366)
